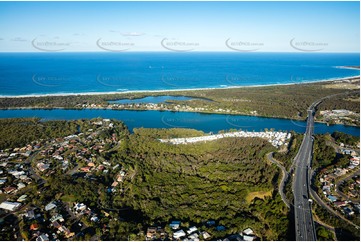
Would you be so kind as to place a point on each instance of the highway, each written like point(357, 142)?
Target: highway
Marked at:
point(305, 228)
point(304, 224)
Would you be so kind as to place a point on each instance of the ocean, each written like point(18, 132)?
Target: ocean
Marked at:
point(59, 73)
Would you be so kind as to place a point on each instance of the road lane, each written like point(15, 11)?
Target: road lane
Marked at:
point(305, 229)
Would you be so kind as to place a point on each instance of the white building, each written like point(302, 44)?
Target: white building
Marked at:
point(43, 237)
point(11, 206)
point(50, 206)
point(192, 229)
point(248, 231)
point(79, 207)
point(178, 234)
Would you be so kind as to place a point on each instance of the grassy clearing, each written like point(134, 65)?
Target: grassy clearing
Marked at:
point(69, 198)
point(260, 194)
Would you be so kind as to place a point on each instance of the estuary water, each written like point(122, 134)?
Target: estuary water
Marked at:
point(166, 119)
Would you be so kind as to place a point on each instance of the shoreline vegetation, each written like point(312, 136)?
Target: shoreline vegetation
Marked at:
point(289, 101)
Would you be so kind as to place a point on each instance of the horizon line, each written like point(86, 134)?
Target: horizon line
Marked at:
point(185, 52)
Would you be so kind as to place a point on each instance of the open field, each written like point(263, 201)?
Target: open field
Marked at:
point(258, 194)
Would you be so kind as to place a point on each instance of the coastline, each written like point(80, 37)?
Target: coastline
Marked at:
point(173, 90)
point(348, 67)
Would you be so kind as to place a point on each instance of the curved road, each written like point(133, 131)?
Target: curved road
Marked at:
point(284, 176)
point(355, 173)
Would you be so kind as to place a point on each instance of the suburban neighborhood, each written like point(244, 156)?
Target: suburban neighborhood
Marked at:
point(339, 185)
point(81, 156)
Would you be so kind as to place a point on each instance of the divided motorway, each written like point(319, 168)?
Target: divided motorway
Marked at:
point(305, 227)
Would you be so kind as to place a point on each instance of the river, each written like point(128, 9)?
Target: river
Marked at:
point(168, 119)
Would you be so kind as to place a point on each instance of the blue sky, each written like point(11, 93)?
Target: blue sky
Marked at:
point(180, 26)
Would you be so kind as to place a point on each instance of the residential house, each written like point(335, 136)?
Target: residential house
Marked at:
point(30, 214)
point(94, 219)
point(22, 198)
point(10, 206)
point(332, 198)
point(43, 237)
point(340, 203)
point(50, 206)
point(57, 217)
point(79, 207)
point(9, 190)
point(248, 231)
point(55, 224)
point(248, 237)
point(42, 166)
point(85, 169)
point(178, 234)
point(34, 227)
point(151, 233)
point(211, 223)
point(348, 211)
point(192, 230)
point(21, 185)
point(193, 237)
point(205, 235)
point(220, 228)
point(175, 224)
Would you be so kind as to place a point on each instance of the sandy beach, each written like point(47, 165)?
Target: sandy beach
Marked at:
point(174, 90)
